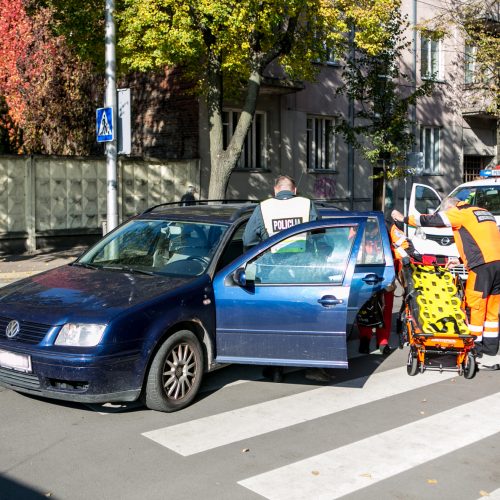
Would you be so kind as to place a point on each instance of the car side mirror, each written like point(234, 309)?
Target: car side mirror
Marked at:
point(239, 276)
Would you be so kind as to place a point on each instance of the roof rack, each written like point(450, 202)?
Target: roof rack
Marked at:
point(196, 202)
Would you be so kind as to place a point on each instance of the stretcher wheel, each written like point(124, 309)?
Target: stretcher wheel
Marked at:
point(412, 363)
point(469, 366)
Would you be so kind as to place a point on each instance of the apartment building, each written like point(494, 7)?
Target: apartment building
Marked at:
point(455, 134)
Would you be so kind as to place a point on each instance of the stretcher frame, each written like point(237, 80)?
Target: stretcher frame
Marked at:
point(427, 347)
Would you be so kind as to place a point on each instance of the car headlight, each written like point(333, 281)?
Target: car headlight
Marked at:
point(420, 233)
point(80, 334)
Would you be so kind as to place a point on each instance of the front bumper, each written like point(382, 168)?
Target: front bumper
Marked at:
point(84, 379)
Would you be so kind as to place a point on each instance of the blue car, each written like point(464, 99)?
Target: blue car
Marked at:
point(171, 294)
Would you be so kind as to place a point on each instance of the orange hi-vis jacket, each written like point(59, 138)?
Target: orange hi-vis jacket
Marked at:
point(399, 242)
point(475, 230)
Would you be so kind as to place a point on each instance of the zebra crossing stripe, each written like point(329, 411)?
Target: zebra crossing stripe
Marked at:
point(361, 464)
point(211, 432)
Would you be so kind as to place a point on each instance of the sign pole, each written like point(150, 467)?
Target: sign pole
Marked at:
point(111, 101)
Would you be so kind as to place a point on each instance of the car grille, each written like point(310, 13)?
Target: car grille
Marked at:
point(29, 332)
point(19, 379)
point(445, 241)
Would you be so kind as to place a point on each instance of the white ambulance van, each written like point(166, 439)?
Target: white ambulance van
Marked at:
point(439, 242)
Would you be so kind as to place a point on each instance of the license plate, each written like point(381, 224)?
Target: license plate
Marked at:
point(19, 362)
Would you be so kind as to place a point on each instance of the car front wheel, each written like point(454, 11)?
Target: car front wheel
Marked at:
point(175, 373)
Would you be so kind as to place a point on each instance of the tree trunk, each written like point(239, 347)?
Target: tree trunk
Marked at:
point(222, 162)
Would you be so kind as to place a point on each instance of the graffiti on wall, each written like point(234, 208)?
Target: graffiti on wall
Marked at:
point(324, 188)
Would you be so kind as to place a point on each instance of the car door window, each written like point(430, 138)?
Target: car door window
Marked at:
point(371, 250)
point(234, 247)
point(323, 260)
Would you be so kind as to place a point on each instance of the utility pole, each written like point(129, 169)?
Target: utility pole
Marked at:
point(110, 101)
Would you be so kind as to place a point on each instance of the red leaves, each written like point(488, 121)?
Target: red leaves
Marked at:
point(46, 88)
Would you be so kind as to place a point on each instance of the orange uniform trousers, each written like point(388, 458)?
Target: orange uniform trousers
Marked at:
point(482, 297)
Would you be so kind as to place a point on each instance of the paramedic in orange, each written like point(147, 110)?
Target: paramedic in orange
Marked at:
point(478, 242)
point(402, 249)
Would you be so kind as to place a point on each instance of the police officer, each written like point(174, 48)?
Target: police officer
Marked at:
point(285, 210)
point(478, 242)
point(281, 212)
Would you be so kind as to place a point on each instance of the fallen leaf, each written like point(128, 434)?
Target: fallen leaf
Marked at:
point(366, 474)
point(484, 493)
point(245, 450)
point(315, 472)
point(432, 481)
point(422, 413)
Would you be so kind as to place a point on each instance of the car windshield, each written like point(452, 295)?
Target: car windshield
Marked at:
point(487, 197)
point(170, 247)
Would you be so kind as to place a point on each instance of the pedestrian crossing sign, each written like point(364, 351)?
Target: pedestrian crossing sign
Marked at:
point(104, 124)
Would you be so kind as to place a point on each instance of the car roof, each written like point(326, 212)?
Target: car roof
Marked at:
point(209, 211)
point(486, 181)
point(228, 211)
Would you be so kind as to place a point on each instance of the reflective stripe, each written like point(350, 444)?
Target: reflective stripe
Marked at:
point(491, 324)
point(445, 219)
point(475, 328)
point(400, 241)
point(490, 335)
point(479, 338)
point(402, 252)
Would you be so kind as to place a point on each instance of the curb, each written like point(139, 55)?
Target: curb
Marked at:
point(18, 275)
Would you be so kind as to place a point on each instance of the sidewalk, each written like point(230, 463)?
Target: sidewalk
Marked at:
point(16, 267)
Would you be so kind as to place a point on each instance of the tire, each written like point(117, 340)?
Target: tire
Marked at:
point(175, 374)
point(469, 366)
point(412, 363)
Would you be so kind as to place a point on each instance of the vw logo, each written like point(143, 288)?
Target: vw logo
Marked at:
point(12, 329)
point(445, 241)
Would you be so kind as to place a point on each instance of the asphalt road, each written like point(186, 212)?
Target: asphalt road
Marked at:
point(374, 432)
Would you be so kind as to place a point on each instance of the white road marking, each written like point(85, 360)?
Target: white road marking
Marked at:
point(349, 468)
point(492, 495)
point(211, 432)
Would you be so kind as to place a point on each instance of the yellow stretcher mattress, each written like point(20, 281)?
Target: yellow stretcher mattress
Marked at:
point(439, 307)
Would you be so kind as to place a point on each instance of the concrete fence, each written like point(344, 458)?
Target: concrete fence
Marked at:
point(48, 201)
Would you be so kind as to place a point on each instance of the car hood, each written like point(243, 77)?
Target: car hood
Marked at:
point(70, 293)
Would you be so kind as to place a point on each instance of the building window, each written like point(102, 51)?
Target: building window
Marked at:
point(430, 148)
point(254, 150)
point(430, 59)
point(320, 143)
point(469, 64)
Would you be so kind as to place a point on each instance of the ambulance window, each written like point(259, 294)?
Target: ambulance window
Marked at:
point(426, 200)
point(489, 198)
point(322, 259)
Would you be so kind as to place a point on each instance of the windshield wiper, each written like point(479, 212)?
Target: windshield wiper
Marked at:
point(84, 264)
point(128, 270)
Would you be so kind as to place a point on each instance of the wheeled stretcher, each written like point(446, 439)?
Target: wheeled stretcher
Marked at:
point(433, 322)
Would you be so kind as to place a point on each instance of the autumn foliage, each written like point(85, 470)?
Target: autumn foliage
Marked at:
point(46, 91)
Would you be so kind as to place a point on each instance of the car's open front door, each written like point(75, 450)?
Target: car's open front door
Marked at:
point(289, 308)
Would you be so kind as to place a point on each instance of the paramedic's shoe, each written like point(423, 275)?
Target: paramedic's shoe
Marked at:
point(318, 375)
point(364, 345)
point(494, 367)
point(385, 349)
